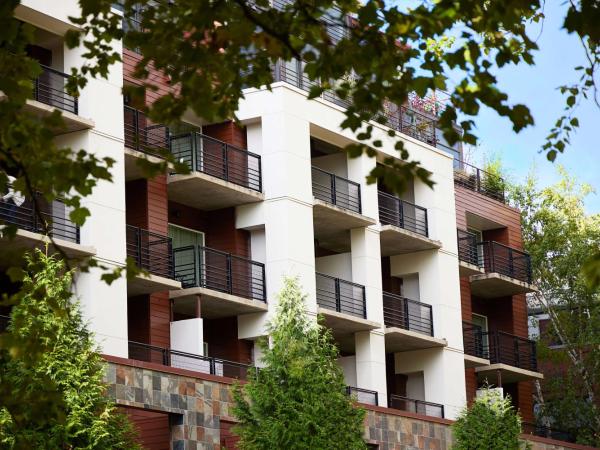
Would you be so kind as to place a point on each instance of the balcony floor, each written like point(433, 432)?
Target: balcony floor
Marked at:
point(206, 192)
point(401, 340)
point(72, 122)
point(215, 304)
point(346, 323)
point(141, 285)
point(510, 374)
point(26, 240)
point(132, 170)
point(396, 241)
point(475, 361)
point(494, 285)
point(466, 269)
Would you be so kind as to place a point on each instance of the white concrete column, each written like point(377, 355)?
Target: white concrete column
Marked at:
point(283, 141)
point(370, 363)
point(104, 306)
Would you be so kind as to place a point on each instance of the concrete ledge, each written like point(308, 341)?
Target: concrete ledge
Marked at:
point(401, 340)
point(132, 170)
point(509, 374)
point(215, 304)
point(466, 269)
point(396, 241)
point(346, 323)
point(493, 285)
point(141, 284)
point(26, 240)
point(73, 122)
point(475, 361)
point(202, 191)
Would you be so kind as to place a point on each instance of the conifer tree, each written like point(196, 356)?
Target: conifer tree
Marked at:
point(52, 394)
point(297, 400)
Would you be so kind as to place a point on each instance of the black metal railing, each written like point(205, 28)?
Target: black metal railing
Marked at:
point(475, 343)
point(400, 312)
point(341, 296)
point(416, 406)
point(188, 361)
point(216, 158)
point(549, 432)
point(197, 266)
point(144, 136)
point(150, 251)
point(50, 87)
point(39, 217)
point(402, 214)
point(468, 251)
point(336, 190)
point(506, 348)
point(499, 258)
point(4, 320)
point(479, 180)
point(365, 396)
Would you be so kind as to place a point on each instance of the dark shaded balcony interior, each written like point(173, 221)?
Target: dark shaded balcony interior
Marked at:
point(365, 396)
point(150, 251)
point(341, 296)
point(416, 406)
point(407, 314)
point(402, 214)
point(505, 260)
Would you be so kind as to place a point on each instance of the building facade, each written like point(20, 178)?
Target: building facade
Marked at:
point(424, 293)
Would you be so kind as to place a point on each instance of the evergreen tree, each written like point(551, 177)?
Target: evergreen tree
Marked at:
point(491, 423)
point(298, 400)
point(49, 360)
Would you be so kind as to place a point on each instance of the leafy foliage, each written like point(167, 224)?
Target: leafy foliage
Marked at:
point(52, 394)
point(298, 400)
point(493, 180)
point(560, 236)
point(490, 423)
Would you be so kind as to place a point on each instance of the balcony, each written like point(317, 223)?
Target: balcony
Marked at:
point(404, 227)
point(50, 93)
point(143, 140)
point(225, 175)
point(36, 222)
point(343, 305)
point(469, 261)
point(511, 358)
point(337, 205)
point(227, 285)
point(404, 119)
point(507, 271)
point(153, 253)
point(366, 396)
point(478, 180)
point(188, 361)
point(408, 324)
point(416, 406)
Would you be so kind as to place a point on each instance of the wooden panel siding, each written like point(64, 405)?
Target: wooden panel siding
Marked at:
point(221, 335)
point(152, 426)
point(227, 132)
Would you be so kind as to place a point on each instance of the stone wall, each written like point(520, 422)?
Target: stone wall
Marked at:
point(198, 403)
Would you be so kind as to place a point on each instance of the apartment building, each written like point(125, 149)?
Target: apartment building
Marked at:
point(424, 293)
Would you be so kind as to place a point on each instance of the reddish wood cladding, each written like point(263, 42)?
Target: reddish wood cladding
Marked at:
point(136, 206)
point(219, 226)
point(155, 78)
point(482, 206)
point(221, 335)
point(138, 319)
point(227, 132)
point(146, 204)
point(160, 319)
point(228, 439)
point(470, 384)
point(152, 426)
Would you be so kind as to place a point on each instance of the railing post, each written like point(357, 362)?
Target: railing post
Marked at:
point(359, 200)
point(405, 312)
point(516, 350)
point(225, 162)
point(213, 366)
point(136, 127)
point(533, 356)
point(194, 166)
point(138, 247)
point(364, 302)
point(34, 222)
point(229, 274)
point(376, 398)
point(431, 320)
point(259, 174)
point(400, 214)
point(264, 284)
point(426, 225)
point(478, 180)
point(165, 357)
point(492, 256)
point(333, 193)
point(511, 263)
point(338, 299)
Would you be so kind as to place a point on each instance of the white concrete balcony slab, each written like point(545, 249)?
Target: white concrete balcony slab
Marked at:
point(26, 240)
point(215, 304)
point(133, 170)
point(149, 284)
point(401, 340)
point(494, 285)
point(466, 269)
point(72, 122)
point(344, 323)
point(507, 374)
point(396, 241)
point(475, 361)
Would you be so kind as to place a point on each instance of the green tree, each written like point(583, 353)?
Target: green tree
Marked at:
point(52, 394)
point(297, 400)
point(491, 423)
point(560, 236)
